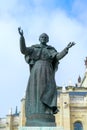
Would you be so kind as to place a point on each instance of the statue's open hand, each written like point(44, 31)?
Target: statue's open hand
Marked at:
point(20, 31)
point(70, 45)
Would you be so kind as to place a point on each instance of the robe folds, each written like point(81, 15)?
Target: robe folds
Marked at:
point(41, 93)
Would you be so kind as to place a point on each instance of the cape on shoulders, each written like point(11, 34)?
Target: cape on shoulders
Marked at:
point(47, 46)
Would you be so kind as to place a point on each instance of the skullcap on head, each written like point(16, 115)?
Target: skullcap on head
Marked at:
point(44, 34)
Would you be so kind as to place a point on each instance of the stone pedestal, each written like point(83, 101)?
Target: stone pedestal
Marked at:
point(40, 128)
point(36, 120)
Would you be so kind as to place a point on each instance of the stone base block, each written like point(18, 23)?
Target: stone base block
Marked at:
point(40, 120)
point(40, 128)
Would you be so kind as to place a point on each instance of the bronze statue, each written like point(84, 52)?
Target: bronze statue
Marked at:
point(41, 93)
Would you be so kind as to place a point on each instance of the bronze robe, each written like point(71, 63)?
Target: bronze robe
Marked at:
point(41, 93)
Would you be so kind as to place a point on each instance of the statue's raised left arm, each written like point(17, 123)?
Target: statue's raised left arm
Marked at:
point(60, 55)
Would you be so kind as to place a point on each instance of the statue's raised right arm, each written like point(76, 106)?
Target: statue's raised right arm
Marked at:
point(23, 47)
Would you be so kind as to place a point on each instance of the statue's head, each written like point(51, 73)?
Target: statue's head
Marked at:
point(44, 38)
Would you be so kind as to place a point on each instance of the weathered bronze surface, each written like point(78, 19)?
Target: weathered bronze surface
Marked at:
point(41, 93)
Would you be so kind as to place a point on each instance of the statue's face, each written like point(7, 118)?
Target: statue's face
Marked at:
point(43, 38)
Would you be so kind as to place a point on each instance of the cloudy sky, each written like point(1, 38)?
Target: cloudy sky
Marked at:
point(62, 20)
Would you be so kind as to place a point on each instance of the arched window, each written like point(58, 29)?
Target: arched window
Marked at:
point(78, 126)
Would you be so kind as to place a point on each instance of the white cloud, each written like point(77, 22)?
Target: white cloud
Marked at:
point(7, 6)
